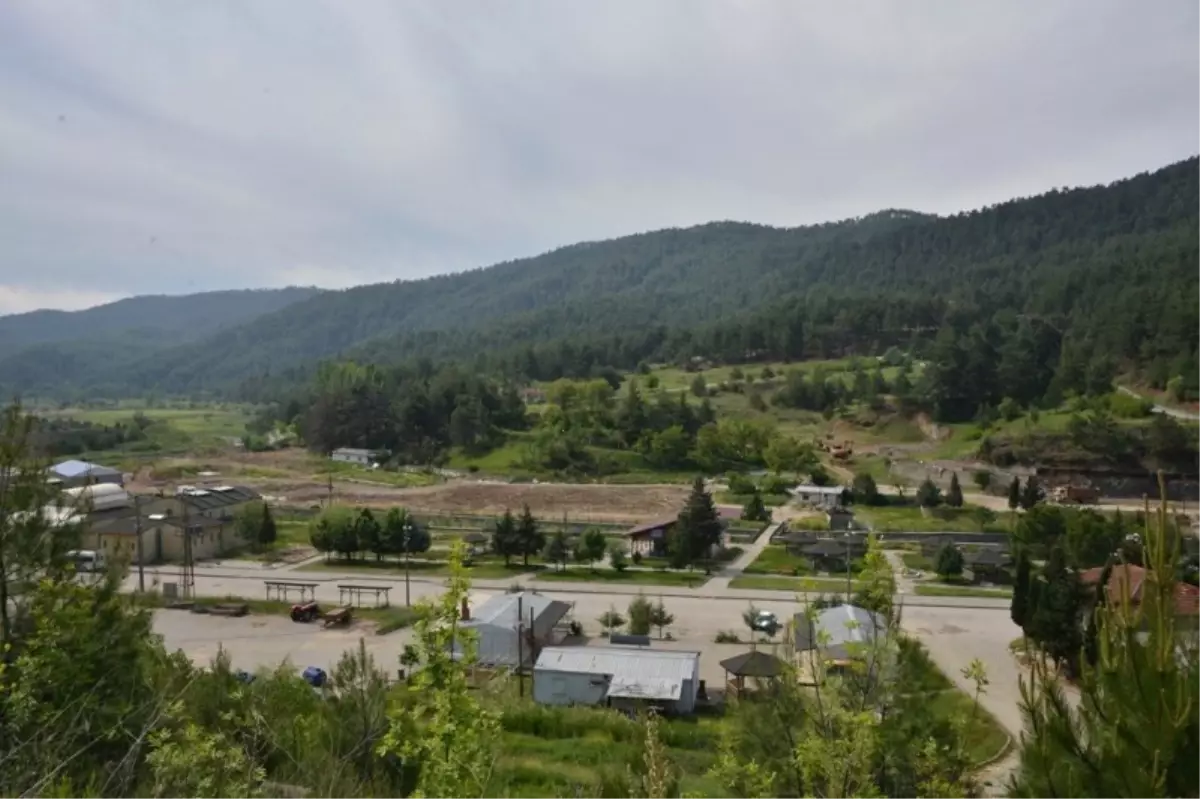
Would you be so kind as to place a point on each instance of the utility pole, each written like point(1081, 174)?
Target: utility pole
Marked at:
point(407, 539)
point(137, 528)
point(520, 648)
point(329, 494)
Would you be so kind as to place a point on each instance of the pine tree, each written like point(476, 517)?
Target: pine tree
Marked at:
point(928, 494)
point(1032, 493)
point(504, 538)
point(1014, 494)
point(755, 510)
point(530, 540)
point(1056, 619)
point(1091, 630)
point(697, 530)
point(1021, 588)
point(660, 617)
point(954, 497)
point(949, 562)
point(557, 550)
point(1134, 730)
point(267, 532)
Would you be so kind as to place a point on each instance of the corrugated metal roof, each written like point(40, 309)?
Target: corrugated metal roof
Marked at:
point(633, 673)
point(806, 488)
point(501, 610)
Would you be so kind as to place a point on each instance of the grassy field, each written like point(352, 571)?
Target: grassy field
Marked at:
point(917, 561)
point(912, 519)
point(795, 585)
point(942, 589)
point(629, 576)
point(776, 559)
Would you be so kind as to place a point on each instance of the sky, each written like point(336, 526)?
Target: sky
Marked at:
point(169, 146)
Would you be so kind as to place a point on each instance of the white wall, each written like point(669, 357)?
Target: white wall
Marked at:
point(568, 688)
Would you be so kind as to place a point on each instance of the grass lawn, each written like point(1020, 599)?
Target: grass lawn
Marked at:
point(770, 500)
point(776, 559)
point(400, 479)
point(941, 589)
point(423, 567)
point(985, 738)
point(630, 576)
point(502, 460)
point(911, 519)
point(792, 584)
point(917, 561)
point(585, 751)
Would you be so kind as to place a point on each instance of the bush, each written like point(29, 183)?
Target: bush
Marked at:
point(740, 484)
point(727, 637)
point(1124, 406)
point(636, 558)
point(576, 629)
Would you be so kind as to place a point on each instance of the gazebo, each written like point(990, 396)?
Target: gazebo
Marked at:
point(754, 664)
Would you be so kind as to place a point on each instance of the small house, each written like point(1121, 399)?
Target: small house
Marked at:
point(359, 457)
point(650, 538)
point(614, 676)
point(513, 628)
point(988, 564)
point(818, 496)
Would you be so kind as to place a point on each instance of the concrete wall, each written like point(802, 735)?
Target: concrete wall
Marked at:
point(568, 688)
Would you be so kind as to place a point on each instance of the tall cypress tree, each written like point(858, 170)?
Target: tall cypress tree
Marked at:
point(954, 497)
point(697, 529)
point(1014, 494)
point(1021, 590)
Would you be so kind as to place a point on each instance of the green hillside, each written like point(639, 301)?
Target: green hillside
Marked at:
point(1113, 266)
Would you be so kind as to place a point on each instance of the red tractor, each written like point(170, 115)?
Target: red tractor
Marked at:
point(306, 612)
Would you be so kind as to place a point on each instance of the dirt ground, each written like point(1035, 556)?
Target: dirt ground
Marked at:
point(287, 477)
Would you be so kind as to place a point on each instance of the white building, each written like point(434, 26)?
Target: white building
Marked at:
point(618, 677)
point(362, 457)
point(818, 496)
point(512, 628)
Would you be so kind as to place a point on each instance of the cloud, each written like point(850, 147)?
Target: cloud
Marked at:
point(171, 148)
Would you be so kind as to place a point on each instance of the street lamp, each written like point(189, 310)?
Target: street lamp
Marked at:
point(407, 538)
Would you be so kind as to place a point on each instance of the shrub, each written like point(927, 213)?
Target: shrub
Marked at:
point(727, 637)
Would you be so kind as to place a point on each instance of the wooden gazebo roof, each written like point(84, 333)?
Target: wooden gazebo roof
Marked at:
point(753, 664)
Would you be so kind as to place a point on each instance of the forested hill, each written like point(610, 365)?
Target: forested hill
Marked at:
point(1116, 264)
point(179, 318)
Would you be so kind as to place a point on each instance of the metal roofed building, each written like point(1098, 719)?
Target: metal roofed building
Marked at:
point(841, 635)
point(74, 473)
point(616, 676)
point(362, 457)
point(512, 628)
point(820, 496)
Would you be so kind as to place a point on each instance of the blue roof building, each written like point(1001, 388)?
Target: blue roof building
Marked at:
point(74, 473)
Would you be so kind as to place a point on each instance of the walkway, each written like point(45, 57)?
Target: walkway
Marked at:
point(720, 583)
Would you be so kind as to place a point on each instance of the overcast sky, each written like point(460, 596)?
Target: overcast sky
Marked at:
point(170, 146)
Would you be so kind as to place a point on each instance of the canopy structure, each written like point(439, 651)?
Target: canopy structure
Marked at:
point(753, 664)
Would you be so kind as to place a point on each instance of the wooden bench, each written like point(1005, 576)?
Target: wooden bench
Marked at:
point(283, 588)
point(349, 594)
point(338, 616)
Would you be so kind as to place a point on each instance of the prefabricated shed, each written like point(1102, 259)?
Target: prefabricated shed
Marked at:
point(611, 675)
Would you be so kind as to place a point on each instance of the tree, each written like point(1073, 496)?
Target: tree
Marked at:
point(617, 558)
point(699, 387)
point(592, 547)
point(369, 534)
point(332, 529)
point(1032, 494)
point(864, 489)
point(558, 550)
point(1133, 732)
point(982, 478)
point(505, 538)
point(949, 562)
point(641, 615)
point(819, 476)
point(928, 494)
point(954, 497)
point(1014, 494)
point(982, 517)
point(1055, 622)
point(755, 510)
point(1021, 609)
point(403, 533)
point(267, 531)
point(611, 620)
point(189, 761)
point(786, 454)
point(697, 530)
point(247, 523)
point(529, 539)
point(660, 617)
point(456, 747)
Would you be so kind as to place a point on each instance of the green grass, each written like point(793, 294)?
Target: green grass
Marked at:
point(630, 576)
point(938, 589)
point(505, 459)
point(792, 584)
point(776, 559)
point(423, 567)
point(917, 561)
point(770, 500)
point(910, 518)
point(985, 738)
point(403, 479)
